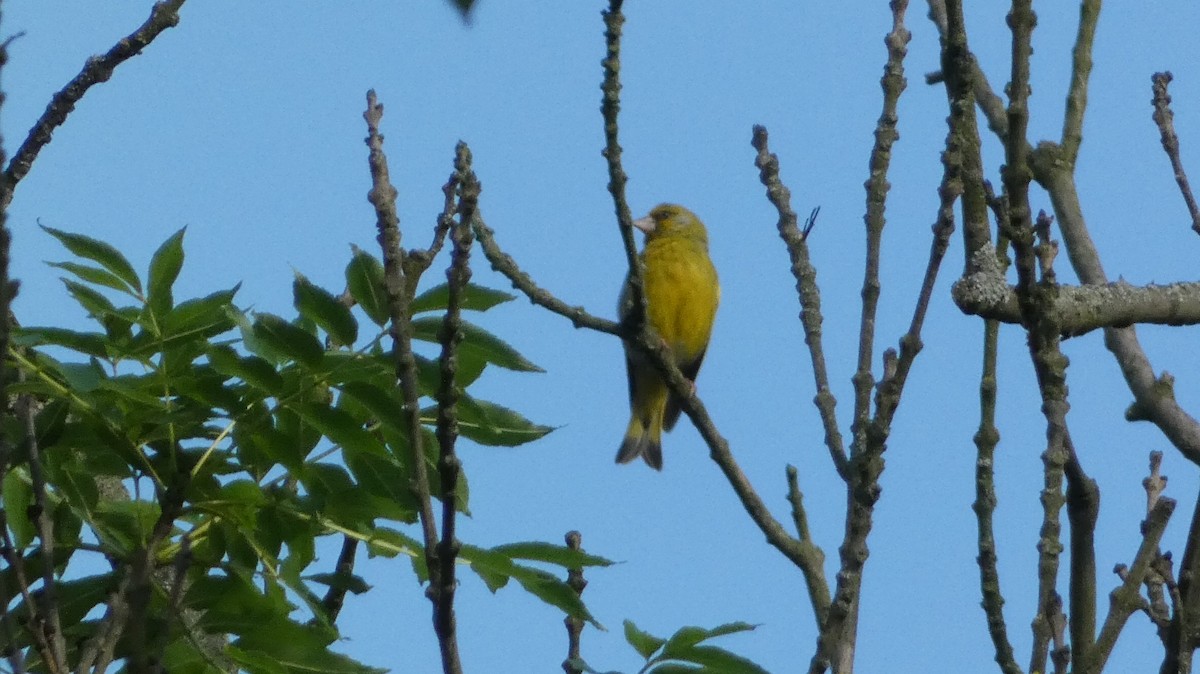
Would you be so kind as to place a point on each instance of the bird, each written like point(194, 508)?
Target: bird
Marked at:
point(682, 294)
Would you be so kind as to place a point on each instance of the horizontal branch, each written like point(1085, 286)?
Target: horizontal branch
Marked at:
point(984, 292)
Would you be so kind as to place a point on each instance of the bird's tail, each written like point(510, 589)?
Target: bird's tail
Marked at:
point(644, 440)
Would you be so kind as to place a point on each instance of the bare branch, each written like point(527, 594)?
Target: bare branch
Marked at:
point(610, 106)
point(983, 292)
point(1165, 119)
point(42, 519)
point(1081, 69)
point(507, 266)
point(400, 286)
point(813, 567)
point(1125, 599)
point(574, 625)
point(810, 295)
point(1154, 398)
point(451, 334)
point(164, 15)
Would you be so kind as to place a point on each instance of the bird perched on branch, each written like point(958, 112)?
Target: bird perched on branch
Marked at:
point(681, 302)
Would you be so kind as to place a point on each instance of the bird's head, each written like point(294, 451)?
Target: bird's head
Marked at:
point(672, 220)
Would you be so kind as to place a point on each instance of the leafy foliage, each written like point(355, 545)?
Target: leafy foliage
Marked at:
point(685, 652)
point(217, 445)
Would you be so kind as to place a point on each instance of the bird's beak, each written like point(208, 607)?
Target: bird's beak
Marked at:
point(645, 224)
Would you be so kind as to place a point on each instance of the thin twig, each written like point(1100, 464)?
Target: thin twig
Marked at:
point(1124, 600)
point(449, 465)
point(610, 107)
point(1083, 510)
point(99, 651)
point(576, 582)
point(893, 84)
point(986, 439)
point(1165, 119)
point(335, 597)
point(507, 266)
point(400, 288)
point(98, 69)
point(814, 567)
point(1081, 70)
point(42, 517)
point(810, 296)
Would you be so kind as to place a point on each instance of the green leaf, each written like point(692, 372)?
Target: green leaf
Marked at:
point(338, 497)
point(554, 591)
point(164, 269)
point(253, 370)
point(474, 297)
point(429, 373)
point(491, 424)
point(387, 542)
point(18, 496)
point(284, 338)
point(323, 308)
point(93, 302)
point(200, 318)
point(382, 477)
point(88, 343)
point(539, 551)
point(364, 278)
point(231, 604)
point(342, 581)
point(93, 275)
point(75, 598)
point(83, 377)
point(643, 642)
point(238, 501)
point(124, 526)
point(477, 342)
point(494, 568)
point(340, 427)
point(98, 251)
point(686, 637)
point(384, 405)
point(717, 661)
point(299, 648)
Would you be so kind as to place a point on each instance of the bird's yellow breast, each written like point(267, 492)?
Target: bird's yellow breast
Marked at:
point(682, 294)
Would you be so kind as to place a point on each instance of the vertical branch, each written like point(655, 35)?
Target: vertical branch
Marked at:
point(1126, 598)
point(986, 439)
point(610, 107)
point(1183, 633)
point(335, 597)
point(836, 643)
point(574, 625)
point(806, 287)
point(1164, 118)
point(1083, 510)
point(42, 518)
point(399, 288)
point(961, 72)
point(814, 568)
point(164, 15)
point(8, 290)
point(893, 83)
point(1081, 69)
point(449, 465)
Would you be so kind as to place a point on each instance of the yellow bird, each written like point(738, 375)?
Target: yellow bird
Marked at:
point(681, 302)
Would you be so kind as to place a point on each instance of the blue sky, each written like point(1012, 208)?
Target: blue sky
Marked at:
point(245, 124)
